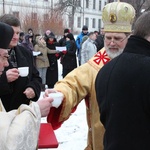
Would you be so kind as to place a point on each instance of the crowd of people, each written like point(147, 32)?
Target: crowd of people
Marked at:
point(46, 43)
point(112, 78)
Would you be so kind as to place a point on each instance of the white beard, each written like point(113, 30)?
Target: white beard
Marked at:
point(113, 54)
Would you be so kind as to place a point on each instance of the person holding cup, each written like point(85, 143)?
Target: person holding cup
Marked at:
point(19, 128)
point(79, 84)
point(15, 89)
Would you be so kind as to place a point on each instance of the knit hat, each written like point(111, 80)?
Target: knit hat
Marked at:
point(66, 31)
point(21, 34)
point(30, 29)
point(48, 32)
point(118, 17)
point(84, 27)
point(51, 35)
point(6, 34)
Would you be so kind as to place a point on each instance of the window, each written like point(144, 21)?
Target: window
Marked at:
point(78, 3)
point(87, 22)
point(100, 4)
point(70, 21)
point(16, 14)
point(99, 24)
point(87, 4)
point(79, 22)
point(94, 3)
point(93, 23)
point(34, 16)
point(46, 17)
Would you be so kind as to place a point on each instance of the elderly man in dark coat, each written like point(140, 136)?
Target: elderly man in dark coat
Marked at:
point(16, 90)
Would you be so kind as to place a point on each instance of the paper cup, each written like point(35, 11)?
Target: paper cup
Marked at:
point(57, 99)
point(23, 71)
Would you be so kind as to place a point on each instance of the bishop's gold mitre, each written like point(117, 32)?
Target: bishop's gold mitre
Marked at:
point(118, 17)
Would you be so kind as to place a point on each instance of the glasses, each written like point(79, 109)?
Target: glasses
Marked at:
point(116, 40)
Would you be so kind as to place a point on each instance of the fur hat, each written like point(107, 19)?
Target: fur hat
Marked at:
point(6, 34)
point(118, 17)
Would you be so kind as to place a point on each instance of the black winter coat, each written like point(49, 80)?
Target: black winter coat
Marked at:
point(52, 70)
point(62, 41)
point(12, 93)
point(123, 94)
point(69, 59)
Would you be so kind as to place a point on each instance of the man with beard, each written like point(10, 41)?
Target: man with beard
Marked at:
point(79, 84)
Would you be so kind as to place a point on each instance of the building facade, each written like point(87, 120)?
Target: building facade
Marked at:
point(90, 14)
point(87, 13)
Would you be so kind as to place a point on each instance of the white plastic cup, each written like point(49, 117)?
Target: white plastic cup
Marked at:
point(57, 99)
point(23, 71)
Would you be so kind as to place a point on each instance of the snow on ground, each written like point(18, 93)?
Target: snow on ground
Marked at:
point(72, 135)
